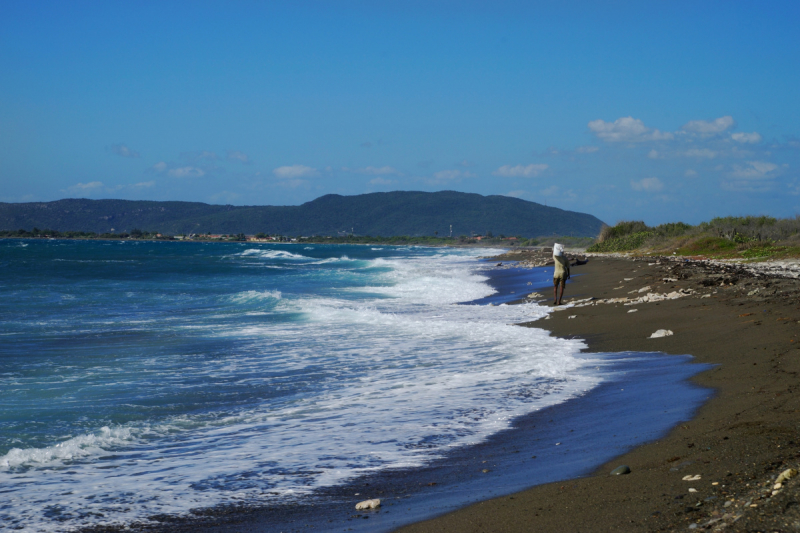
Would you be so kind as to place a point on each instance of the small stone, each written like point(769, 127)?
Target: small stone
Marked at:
point(661, 333)
point(692, 478)
point(774, 492)
point(368, 504)
point(692, 490)
point(727, 504)
point(572, 316)
point(621, 470)
point(485, 470)
point(786, 474)
point(632, 310)
point(715, 483)
point(777, 486)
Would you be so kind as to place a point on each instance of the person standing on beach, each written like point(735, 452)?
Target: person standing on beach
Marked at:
point(560, 274)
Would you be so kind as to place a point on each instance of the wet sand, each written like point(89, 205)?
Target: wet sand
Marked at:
point(738, 442)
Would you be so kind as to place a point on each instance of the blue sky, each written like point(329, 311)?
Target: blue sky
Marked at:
point(660, 111)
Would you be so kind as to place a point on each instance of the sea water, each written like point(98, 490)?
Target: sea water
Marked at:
point(154, 378)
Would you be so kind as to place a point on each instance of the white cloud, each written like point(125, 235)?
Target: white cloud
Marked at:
point(690, 173)
point(550, 191)
point(626, 129)
point(754, 170)
point(647, 184)
point(87, 186)
point(465, 163)
point(378, 171)
point(519, 171)
point(123, 151)
point(586, 149)
point(653, 154)
point(709, 127)
point(186, 172)
point(516, 194)
point(235, 155)
point(701, 152)
point(380, 181)
point(142, 185)
point(161, 166)
point(751, 138)
point(295, 171)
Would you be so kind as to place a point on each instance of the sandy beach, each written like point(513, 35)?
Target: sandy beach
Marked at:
point(716, 471)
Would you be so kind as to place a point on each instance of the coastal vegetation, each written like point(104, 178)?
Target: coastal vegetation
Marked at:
point(748, 237)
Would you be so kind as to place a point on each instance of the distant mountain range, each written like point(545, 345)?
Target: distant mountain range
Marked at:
point(378, 214)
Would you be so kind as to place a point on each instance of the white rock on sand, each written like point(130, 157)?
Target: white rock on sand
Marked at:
point(368, 504)
point(661, 333)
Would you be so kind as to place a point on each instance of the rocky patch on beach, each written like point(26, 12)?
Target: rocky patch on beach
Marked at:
point(670, 277)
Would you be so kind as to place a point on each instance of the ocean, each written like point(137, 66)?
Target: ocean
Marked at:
point(152, 379)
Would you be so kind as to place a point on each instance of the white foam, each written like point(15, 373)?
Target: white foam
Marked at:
point(401, 374)
point(250, 296)
point(271, 254)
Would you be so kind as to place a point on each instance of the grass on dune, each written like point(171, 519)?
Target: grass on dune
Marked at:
point(747, 238)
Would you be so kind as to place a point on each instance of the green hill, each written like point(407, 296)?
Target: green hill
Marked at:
point(385, 214)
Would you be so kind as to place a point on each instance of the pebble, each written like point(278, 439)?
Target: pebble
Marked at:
point(621, 470)
point(572, 316)
point(661, 333)
point(368, 504)
point(727, 504)
point(692, 478)
point(692, 490)
point(786, 474)
point(632, 310)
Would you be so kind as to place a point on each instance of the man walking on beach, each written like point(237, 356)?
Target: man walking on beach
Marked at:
point(560, 274)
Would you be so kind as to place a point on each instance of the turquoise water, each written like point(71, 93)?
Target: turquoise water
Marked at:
point(144, 378)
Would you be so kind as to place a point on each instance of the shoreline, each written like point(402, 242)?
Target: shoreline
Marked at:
point(737, 442)
point(508, 461)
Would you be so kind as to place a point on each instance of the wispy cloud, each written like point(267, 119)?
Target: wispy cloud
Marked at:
point(520, 171)
point(754, 170)
point(709, 126)
point(380, 181)
point(701, 152)
point(123, 151)
point(378, 171)
point(690, 173)
point(295, 171)
point(202, 155)
point(516, 194)
point(748, 138)
point(92, 185)
point(586, 149)
point(626, 129)
point(647, 184)
point(236, 155)
point(186, 172)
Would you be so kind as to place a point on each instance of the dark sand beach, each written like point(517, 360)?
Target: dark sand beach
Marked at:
point(738, 442)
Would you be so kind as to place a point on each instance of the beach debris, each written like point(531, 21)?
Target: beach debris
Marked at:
point(368, 504)
point(645, 289)
point(632, 310)
point(572, 316)
point(786, 475)
point(621, 470)
point(627, 279)
point(692, 478)
point(661, 333)
point(692, 490)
